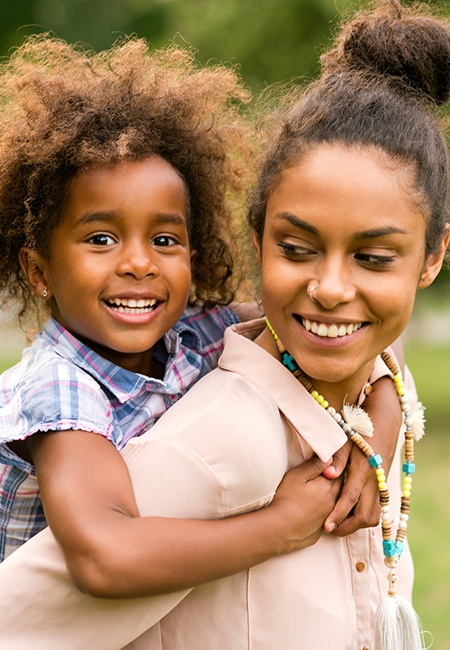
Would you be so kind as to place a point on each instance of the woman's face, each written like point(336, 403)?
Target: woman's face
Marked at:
point(342, 221)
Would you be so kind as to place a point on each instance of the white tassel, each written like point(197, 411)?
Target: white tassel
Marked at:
point(418, 421)
point(358, 419)
point(397, 626)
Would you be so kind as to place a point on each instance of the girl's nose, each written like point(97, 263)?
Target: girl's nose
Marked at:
point(137, 260)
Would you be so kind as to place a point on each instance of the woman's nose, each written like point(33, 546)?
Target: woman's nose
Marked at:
point(331, 287)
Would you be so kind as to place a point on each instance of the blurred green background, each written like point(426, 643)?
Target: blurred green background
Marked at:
point(272, 42)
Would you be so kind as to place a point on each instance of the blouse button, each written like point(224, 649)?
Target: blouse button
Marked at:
point(360, 566)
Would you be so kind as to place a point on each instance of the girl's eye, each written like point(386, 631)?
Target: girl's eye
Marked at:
point(164, 240)
point(374, 260)
point(101, 240)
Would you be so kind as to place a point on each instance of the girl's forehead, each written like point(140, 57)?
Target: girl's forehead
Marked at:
point(148, 186)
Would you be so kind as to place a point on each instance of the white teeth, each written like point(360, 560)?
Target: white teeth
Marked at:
point(130, 305)
point(330, 331)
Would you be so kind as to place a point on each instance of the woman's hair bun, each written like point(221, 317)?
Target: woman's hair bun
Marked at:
point(399, 43)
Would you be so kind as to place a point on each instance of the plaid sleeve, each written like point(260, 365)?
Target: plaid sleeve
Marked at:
point(53, 395)
point(210, 326)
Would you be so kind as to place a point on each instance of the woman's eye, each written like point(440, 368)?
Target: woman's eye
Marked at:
point(101, 240)
point(375, 260)
point(164, 240)
point(294, 250)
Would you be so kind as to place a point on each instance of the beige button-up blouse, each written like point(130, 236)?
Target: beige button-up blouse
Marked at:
point(222, 450)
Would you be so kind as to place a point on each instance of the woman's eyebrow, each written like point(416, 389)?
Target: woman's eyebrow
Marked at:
point(380, 232)
point(364, 234)
point(298, 223)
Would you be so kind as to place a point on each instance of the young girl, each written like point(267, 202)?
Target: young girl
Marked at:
point(115, 169)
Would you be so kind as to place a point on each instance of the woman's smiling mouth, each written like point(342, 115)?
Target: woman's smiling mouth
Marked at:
point(332, 331)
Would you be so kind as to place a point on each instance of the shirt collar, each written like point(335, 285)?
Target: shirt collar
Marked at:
point(316, 426)
point(122, 383)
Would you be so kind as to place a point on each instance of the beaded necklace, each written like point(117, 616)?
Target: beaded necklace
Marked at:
point(392, 547)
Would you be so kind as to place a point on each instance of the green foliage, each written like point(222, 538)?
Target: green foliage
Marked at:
point(271, 41)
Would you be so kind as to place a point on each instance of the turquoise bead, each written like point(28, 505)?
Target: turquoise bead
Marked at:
point(409, 468)
point(399, 548)
point(375, 461)
point(389, 547)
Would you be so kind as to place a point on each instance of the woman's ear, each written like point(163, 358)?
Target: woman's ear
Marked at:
point(34, 269)
point(257, 246)
point(434, 262)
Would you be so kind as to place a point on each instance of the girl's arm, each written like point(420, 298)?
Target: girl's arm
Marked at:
point(111, 551)
point(358, 505)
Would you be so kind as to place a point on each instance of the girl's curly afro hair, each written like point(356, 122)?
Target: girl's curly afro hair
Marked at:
point(63, 108)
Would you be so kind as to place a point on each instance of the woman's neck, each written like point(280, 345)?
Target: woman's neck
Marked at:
point(336, 393)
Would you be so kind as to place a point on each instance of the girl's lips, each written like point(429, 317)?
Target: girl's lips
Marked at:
point(329, 330)
point(131, 311)
point(132, 305)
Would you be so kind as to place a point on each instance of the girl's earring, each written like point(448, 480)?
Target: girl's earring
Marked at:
point(44, 292)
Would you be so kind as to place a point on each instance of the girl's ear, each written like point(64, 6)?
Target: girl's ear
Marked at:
point(33, 268)
point(434, 262)
point(257, 246)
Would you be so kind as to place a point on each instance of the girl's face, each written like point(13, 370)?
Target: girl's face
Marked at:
point(119, 269)
point(343, 221)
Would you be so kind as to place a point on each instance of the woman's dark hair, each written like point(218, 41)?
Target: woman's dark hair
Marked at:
point(63, 109)
point(386, 72)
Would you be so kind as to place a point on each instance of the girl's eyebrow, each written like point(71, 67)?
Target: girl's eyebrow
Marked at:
point(106, 217)
point(364, 234)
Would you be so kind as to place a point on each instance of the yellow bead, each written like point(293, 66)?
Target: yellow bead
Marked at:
point(382, 485)
point(407, 479)
point(379, 471)
point(325, 404)
point(314, 394)
point(406, 493)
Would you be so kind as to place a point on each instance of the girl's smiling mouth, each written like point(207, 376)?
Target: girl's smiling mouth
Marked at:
point(332, 331)
point(131, 305)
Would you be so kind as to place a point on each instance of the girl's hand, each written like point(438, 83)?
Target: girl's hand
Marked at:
point(358, 506)
point(303, 500)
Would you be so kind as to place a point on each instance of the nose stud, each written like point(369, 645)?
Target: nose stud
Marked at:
point(311, 293)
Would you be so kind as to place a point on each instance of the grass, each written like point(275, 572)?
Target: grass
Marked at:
point(430, 515)
point(429, 529)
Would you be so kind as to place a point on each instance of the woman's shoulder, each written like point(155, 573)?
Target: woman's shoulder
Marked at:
point(227, 433)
